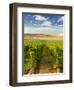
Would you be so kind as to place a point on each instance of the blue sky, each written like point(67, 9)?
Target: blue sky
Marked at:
point(43, 24)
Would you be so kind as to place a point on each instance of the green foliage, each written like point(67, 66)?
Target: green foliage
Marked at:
point(42, 53)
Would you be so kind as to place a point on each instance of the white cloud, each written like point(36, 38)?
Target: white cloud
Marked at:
point(47, 23)
point(43, 30)
point(60, 19)
point(39, 17)
point(60, 25)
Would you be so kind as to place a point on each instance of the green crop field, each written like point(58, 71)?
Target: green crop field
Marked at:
point(43, 56)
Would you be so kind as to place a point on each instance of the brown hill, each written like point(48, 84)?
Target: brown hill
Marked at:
point(43, 37)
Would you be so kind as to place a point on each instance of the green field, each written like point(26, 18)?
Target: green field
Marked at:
point(43, 56)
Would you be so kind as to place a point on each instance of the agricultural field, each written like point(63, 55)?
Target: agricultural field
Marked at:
point(43, 43)
point(43, 55)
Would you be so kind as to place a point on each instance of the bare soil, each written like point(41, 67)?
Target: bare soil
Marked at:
point(43, 70)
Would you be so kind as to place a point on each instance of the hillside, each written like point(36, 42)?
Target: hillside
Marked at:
point(43, 37)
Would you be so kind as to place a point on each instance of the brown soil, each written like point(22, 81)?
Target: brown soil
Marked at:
point(42, 70)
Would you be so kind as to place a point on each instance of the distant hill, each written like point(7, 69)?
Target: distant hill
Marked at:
point(38, 35)
point(43, 36)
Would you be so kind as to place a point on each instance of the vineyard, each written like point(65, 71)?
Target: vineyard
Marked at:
point(43, 56)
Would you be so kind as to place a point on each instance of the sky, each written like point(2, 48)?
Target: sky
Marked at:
point(43, 24)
